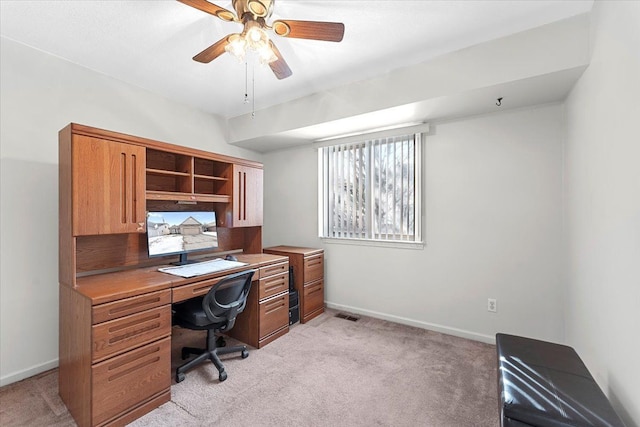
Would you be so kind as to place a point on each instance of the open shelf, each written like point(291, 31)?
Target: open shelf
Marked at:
point(178, 177)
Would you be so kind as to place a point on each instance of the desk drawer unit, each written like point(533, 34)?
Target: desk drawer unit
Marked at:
point(308, 276)
point(130, 379)
point(131, 357)
point(266, 316)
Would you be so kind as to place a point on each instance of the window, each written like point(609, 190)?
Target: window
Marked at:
point(370, 190)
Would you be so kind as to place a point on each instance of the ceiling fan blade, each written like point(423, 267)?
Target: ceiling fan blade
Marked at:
point(211, 8)
point(279, 66)
point(213, 51)
point(313, 30)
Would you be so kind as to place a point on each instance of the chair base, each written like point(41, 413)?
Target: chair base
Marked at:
point(211, 353)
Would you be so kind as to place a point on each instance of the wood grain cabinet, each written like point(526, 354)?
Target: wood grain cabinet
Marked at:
point(127, 368)
point(308, 274)
point(246, 209)
point(108, 180)
point(266, 315)
point(115, 307)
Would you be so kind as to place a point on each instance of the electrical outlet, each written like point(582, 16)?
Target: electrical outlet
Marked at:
point(492, 305)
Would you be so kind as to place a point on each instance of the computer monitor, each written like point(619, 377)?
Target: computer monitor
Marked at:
point(181, 233)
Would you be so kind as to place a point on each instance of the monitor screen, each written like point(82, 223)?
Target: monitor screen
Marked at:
point(171, 233)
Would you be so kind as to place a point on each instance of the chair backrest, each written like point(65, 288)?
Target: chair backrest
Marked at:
point(227, 298)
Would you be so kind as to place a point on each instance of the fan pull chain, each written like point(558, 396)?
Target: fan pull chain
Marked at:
point(246, 82)
point(253, 89)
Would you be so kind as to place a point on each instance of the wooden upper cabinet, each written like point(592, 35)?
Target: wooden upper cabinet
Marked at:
point(108, 187)
point(246, 209)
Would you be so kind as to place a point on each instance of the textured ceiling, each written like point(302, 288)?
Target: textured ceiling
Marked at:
point(150, 43)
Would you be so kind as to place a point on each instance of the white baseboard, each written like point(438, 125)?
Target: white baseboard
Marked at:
point(26, 373)
point(21, 375)
point(416, 323)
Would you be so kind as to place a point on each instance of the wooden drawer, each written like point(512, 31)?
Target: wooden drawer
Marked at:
point(116, 336)
point(192, 290)
point(125, 381)
point(313, 268)
point(270, 270)
point(313, 297)
point(274, 314)
point(124, 307)
point(273, 285)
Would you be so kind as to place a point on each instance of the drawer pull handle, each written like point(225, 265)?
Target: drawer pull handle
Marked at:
point(275, 285)
point(137, 304)
point(133, 323)
point(132, 358)
point(134, 368)
point(274, 307)
point(134, 333)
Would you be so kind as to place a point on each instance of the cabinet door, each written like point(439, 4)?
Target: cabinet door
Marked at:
point(108, 187)
point(247, 197)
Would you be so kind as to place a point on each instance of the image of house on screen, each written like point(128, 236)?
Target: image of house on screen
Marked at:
point(174, 232)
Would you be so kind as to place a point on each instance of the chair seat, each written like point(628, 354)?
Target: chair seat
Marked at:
point(190, 314)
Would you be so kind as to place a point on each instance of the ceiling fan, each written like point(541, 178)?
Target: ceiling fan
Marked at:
point(252, 14)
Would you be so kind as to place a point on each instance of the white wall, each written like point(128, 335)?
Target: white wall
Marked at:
point(603, 207)
point(493, 195)
point(40, 95)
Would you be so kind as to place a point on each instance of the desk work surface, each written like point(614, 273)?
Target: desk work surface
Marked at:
point(108, 287)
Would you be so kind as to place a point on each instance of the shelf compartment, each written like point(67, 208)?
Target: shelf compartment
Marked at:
point(210, 168)
point(210, 185)
point(169, 181)
point(172, 162)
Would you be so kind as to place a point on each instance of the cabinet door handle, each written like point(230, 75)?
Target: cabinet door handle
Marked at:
point(124, 194)
point(133, 190)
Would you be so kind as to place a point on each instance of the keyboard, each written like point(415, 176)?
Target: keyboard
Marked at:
point(201, 268)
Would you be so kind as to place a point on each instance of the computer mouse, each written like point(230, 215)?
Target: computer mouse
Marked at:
point(231, 258)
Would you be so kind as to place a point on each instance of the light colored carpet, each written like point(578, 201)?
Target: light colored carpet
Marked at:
point(328, 372)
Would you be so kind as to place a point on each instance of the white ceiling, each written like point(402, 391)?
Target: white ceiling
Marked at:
point(150, 43)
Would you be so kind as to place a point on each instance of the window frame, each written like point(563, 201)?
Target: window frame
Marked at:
point(418, 242)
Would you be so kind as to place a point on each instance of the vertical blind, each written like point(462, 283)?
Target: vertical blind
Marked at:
point(371, 189)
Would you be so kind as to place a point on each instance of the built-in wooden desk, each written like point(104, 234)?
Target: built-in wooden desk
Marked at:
point(116, 334)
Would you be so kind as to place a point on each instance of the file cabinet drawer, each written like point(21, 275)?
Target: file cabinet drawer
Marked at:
point(124, 307)
point(116, 336)
point(270, 270)
point(313, 268)
point(273, 285)
point(274, 314)
point(313, 297)
point(125, 381)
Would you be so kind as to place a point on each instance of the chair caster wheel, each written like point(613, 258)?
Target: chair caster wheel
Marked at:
point(180, 377)
point(245, 354)
point(184, 354)
point(222, 376)
point(220, 342)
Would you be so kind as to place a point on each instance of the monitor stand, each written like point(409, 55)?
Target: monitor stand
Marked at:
point(184, 260)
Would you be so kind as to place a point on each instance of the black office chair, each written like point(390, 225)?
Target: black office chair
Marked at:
point(214, 312)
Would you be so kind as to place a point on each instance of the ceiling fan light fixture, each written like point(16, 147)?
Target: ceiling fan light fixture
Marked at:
point(266, 55)
point(237, 46)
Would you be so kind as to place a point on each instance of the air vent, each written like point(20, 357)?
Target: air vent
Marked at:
point(348, 317)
